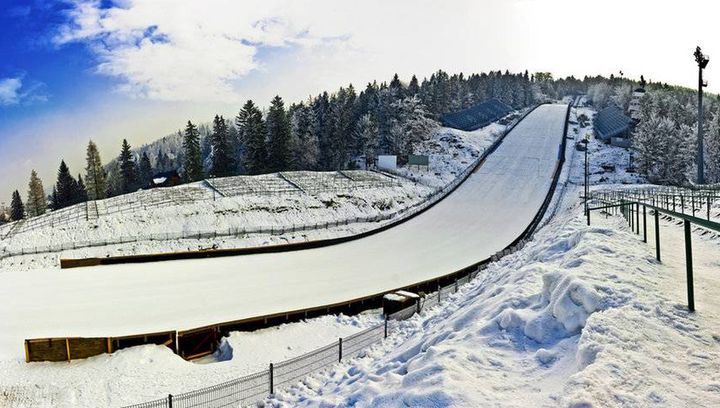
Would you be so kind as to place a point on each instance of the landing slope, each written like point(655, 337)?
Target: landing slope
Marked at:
point(484, 215)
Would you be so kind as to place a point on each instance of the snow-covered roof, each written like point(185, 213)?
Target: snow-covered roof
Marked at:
point(611, 122)
point(477, 116)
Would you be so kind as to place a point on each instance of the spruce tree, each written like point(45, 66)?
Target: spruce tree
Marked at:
point(162, 163)
point(413, 88)
point(36, 203)
point(95, 176)
point(66, 188)
point(223, 162)
point(304, 129)
point(17, 209)
point(251, 126)
point(82, 194)
point(54, 199)
point(193, 167)
point(366, 136)
point(145, 171)
point(128, 175)
point(278, 133)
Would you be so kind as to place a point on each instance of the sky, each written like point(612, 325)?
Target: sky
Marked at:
point(75, 70)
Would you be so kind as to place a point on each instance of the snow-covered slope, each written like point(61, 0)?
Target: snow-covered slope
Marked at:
point(581, 317)
point(154, 221)
point(484, 215)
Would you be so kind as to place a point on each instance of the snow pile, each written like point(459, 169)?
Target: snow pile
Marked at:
point(562, 309)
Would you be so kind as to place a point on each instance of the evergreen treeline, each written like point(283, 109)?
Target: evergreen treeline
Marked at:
point(330, 130)
point(666, 137)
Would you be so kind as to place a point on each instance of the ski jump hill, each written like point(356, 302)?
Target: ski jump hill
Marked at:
point(485, 214)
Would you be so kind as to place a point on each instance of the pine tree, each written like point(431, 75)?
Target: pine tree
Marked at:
point(252, 131)
point(342, 121)
point(145, 171)
point(412, 126)
point(54, 199)
point(366, 136)
point(17, 209)
point(303, 125)
point(223, 162)
point(128, 175)
point(713, 149)
point(66, 188)
point(162, 163)
point(82, 194)
point(95, 176)
point(278, 134)
point(36, 203)
point(193, 167)
point(396, 86)
point(413, 88)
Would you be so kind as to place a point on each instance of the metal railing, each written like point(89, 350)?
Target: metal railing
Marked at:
point(628, 203)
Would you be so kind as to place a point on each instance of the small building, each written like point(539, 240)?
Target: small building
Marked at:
point(166, 179)
point(612, 126)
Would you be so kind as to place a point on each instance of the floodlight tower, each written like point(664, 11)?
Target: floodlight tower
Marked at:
point(702, 61)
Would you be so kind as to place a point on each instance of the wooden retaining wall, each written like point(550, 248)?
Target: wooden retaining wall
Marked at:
point(75, 348)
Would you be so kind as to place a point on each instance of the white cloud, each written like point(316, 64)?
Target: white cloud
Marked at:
point(207, 50)
point(10, 91)
point(15, 90)
point(165, 51)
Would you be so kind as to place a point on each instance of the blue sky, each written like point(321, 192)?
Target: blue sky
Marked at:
point(72, 70)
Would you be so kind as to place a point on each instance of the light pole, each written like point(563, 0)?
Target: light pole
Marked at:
point(702, 61)
point(586, 142)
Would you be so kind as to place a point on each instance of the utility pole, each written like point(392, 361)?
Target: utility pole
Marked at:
point(702, 61)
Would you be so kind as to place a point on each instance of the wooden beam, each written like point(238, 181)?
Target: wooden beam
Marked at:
point(67, 347)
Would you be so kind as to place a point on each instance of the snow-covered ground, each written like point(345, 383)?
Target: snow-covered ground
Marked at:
point(580, 317)
point(451, 152)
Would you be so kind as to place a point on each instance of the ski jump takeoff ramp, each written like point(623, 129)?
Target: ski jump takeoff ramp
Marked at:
point(484, 215)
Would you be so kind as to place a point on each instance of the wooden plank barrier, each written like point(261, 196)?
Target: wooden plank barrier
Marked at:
point(75, 348)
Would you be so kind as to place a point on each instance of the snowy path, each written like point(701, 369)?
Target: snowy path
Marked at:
point(484, 215)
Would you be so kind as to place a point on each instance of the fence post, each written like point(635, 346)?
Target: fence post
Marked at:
point(644, 224)
point(708, 207)
point(637, 217)
point(169, 400)
point(689, 265)
point(340, 349)
point(588, 217)
point(657, 234)
point(272, 388)
point(386, 324)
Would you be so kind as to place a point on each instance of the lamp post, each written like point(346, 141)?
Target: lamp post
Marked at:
point(586, 142)
point(702, 61)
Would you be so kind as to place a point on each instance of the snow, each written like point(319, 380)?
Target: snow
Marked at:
point(581, 316)
point(147, 228)
point(486, 213)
